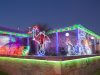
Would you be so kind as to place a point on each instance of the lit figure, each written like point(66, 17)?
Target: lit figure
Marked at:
point(34, 31)
point(87, 47)
point(69, 47)
point(42, 40)
point(77, 49)
point(84, 46)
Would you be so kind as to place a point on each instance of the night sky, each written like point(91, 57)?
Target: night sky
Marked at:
point(54, 13)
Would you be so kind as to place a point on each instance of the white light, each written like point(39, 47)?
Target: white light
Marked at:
point(67, 34)
point(33, 38)
point(4, 40)
point(92, 37)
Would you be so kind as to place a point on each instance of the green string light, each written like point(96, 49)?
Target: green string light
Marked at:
point(74, 27)
point(13, 33)
point(25, 51)
point(66, 63)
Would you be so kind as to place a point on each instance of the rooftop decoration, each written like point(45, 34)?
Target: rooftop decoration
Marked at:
point(14, 33)
point(76, 26)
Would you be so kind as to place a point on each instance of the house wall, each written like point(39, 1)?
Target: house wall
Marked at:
point(77, 42)
point(18, 66)
point(12, 45)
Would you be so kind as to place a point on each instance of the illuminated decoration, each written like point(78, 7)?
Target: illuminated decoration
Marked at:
point(92, 37)
point(66, 63)
point(25, 51)
point(57, 43)
point(80, 62)
point(13, 33)
point(13, 50)
point(74, 27)
point(27, 48)
point(67, 34)
point(34, 31)
point(4, 40)
point(69, 47)
point(83, 43)
point(42, 40)
point(73, 41)
point(62, 66)
point(11, 45)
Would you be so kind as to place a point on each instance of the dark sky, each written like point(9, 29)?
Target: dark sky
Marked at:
point(58, 13)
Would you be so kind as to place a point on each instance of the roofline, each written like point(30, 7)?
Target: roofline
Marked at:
point(76, 26)
point(14, 33)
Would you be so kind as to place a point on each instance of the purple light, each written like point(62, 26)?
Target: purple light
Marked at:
point(57, 43)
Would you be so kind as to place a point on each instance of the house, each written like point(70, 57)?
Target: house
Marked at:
point(73, 40)
point(13, 42)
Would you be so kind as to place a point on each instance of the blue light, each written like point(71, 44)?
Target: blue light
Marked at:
point(57, 43)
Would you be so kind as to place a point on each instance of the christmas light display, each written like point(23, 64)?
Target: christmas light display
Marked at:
point(83, 43)
point(11, 47)
point(11, 43)
point(74, 27)
point(74, 40)
point(69, 46)
point(13, 33)
point(40, 38)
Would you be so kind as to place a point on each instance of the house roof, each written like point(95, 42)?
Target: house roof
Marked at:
point(8, 31)
point(76, 26)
